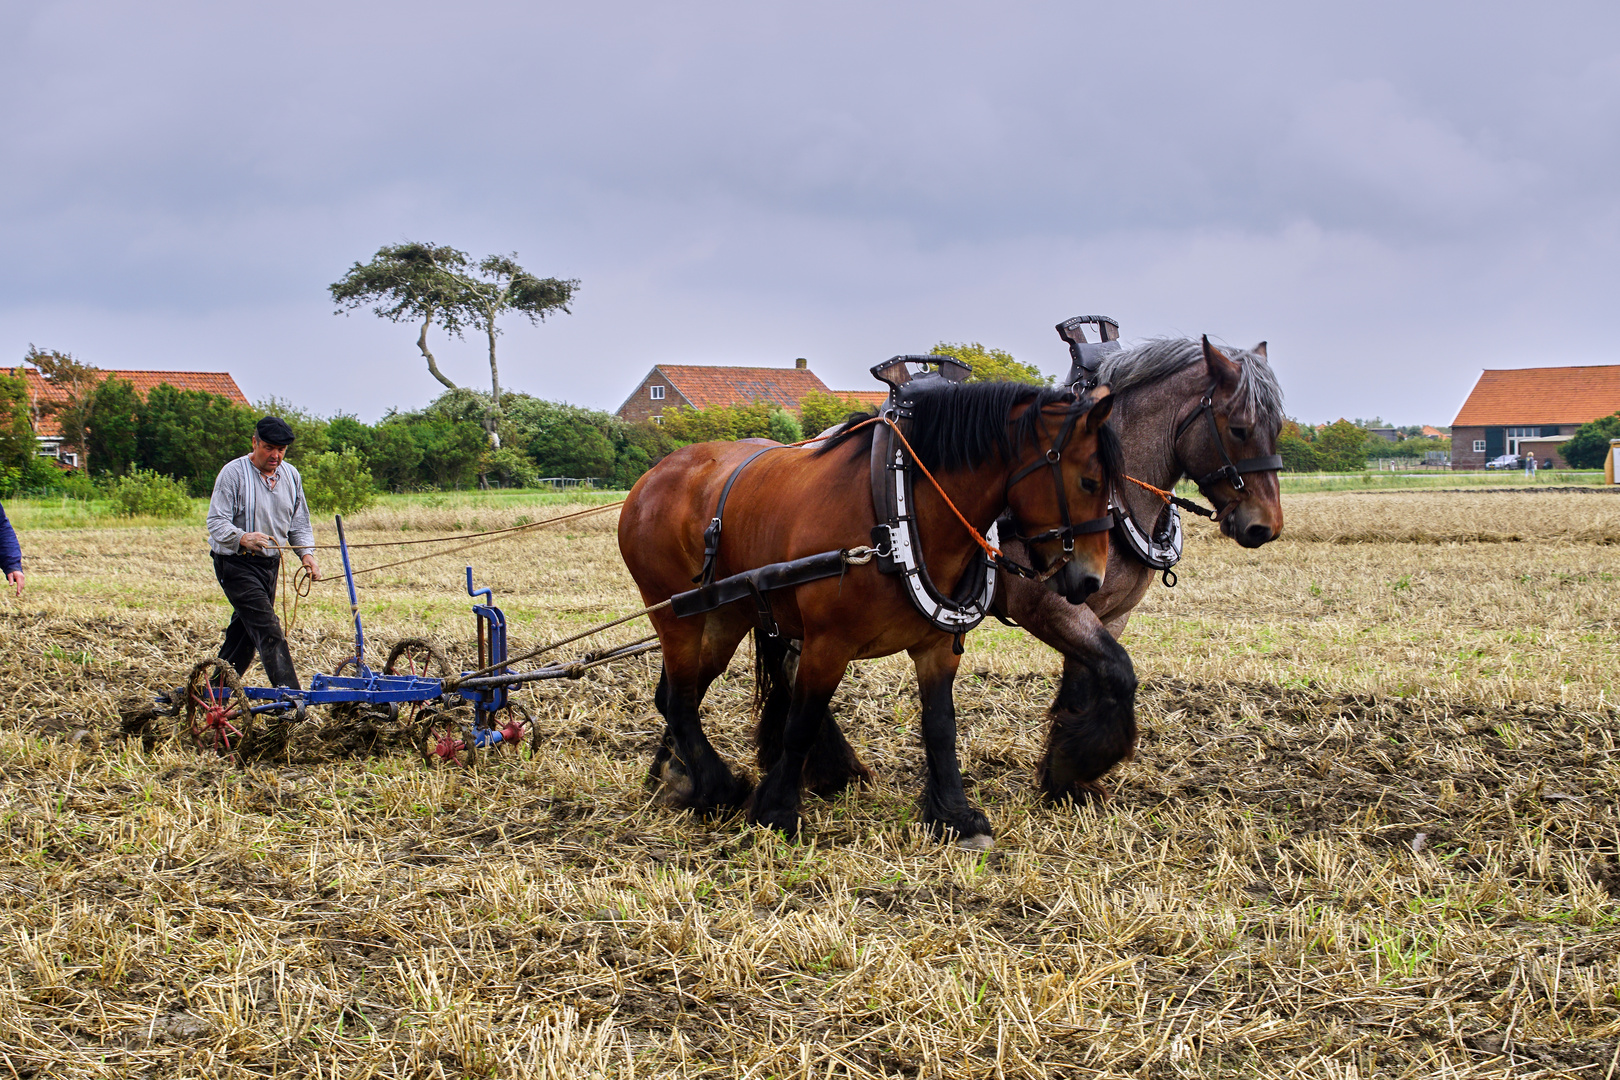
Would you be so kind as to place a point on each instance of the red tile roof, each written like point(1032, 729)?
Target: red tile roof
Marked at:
point(212, 382)
point(1550, 395)
point(707, 386)
point(870, 399)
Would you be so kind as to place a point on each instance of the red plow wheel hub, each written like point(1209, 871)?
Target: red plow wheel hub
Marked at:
point(218, 716)
point(448, 745)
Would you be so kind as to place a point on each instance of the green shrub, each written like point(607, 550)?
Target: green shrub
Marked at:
point(337, 483)
point(785, 427)
point(510, 467)
point(148, 494)
point(818, 411)
point(1589, 448)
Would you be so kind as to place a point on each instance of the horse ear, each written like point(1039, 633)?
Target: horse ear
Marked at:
point(1220, 366)
point(1260, 350)
point(1102, 404)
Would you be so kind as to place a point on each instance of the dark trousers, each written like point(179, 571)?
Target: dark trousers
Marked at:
point(249, 582)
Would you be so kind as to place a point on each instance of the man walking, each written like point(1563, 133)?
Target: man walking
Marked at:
point(10, 553)
point(257, 512)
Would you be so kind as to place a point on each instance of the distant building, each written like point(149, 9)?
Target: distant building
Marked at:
point(1432, 432)
point(1388, 434)
point(700, 386)
point(41, 394)
point(1531, 412)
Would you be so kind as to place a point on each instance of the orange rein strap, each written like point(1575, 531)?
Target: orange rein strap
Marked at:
point(978, 538)
point(1160, 492)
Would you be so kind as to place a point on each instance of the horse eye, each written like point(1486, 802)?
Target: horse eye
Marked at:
point(1241, 434)
point(1089, 485)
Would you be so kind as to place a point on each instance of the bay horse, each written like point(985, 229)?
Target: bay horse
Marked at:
point(1044, 455)
point(1182, 408)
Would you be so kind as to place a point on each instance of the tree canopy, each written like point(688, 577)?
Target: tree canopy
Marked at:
point(76, 382)
point(1588, 448)
point(992, 365)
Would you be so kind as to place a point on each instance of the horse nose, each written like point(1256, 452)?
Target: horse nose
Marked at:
point(1257, 534)
point(1089, 583)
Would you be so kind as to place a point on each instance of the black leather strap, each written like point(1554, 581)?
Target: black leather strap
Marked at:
point(711, 535)
point(1232, 471)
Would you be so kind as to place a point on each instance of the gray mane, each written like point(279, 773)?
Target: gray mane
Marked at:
point(1137, 366)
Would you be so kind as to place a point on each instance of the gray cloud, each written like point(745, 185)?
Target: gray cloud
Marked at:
point(1394, 195)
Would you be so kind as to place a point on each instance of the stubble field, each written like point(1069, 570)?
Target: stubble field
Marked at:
point(1371, 830)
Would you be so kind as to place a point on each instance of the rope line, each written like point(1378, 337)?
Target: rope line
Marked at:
point(451, 684)
point(1160, 492)
point(473, 536)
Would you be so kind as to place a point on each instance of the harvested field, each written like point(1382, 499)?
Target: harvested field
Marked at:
point(1371, 830)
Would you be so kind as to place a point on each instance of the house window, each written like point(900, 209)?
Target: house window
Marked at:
point(658, 420)
point(1523, 432)
point(657, 392)
point(1479, 446)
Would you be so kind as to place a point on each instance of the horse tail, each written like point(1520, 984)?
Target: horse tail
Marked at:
point(773, 693)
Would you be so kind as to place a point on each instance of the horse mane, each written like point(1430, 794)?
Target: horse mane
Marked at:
point(957, 426)
point(1133, 368)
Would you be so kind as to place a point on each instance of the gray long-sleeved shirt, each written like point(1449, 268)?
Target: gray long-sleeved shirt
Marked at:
point(244, 503)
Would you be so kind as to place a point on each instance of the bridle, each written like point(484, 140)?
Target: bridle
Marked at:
point(1230, 471)
point(1067, 530)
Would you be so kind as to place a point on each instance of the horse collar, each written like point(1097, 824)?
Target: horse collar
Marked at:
point(900, 547)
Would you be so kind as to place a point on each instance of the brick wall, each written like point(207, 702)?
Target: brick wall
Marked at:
point(642, 405)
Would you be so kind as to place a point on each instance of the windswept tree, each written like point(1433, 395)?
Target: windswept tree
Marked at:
point(441, 285)
point(404, 283)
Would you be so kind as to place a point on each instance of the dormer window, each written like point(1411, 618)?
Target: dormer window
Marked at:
point(657, 392)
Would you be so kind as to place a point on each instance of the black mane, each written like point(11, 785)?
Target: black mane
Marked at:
point(957, 426)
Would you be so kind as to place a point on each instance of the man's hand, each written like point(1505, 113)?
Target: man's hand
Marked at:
point(258, 543)
point(314, 571)
point(16, 578)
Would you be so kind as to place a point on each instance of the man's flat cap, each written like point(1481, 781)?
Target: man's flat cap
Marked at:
point(274, 430)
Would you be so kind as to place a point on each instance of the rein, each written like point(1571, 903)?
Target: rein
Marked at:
point(1232, 471)
point(1066, 531)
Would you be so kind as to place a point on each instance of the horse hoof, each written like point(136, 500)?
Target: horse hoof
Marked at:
point(982, 842)
point(787, 824)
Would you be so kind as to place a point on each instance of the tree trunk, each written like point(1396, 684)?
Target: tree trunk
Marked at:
point(494, 423)
point(421, 343)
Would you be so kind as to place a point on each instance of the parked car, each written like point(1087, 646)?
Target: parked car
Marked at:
point(1506, 461)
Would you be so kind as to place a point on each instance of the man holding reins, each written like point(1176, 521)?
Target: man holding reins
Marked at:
point(257, 513)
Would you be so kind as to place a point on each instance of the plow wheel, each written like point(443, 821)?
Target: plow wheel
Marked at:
point(519, 739)
point(217, 717)
point(414, 656)
point(444, 738)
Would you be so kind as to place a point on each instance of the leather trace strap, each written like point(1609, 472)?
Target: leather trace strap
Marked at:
point(1232, 471)
point(711, 535)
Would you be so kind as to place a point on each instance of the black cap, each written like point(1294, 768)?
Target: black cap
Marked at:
point(274, 430)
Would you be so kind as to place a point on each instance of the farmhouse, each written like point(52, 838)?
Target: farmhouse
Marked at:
point(1531, 412)
point(696, 386)
point(42, 395)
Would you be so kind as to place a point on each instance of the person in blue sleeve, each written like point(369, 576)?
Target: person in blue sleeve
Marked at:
point(10, 553)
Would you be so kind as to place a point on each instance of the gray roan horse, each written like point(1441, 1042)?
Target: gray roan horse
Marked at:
point(1183, 408)
point(1160, 392)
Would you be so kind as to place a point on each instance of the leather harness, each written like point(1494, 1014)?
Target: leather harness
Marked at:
point(895, 541)
point(1161, 549)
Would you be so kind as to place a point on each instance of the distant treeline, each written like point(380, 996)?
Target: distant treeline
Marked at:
point(1345, 447)
point(189, 435)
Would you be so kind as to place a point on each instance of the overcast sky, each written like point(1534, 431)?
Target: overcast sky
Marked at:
point(1394, 195)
